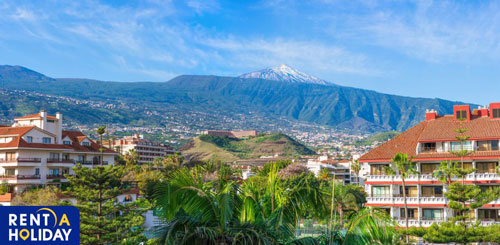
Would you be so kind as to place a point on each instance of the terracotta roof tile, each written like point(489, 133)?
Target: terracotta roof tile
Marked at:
point(7, 197)
point(405, 142)
point(439, 129)
point(443, 128)
point(15, 130)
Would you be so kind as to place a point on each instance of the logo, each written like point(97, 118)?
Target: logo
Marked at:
point(32, 224)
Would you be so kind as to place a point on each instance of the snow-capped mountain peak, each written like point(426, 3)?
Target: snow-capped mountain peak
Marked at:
point(285, 73)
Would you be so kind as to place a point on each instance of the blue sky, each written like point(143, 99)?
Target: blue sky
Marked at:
point(445, 49)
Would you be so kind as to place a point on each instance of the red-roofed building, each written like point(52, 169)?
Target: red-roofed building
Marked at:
point(36, 150)
point(429, 143)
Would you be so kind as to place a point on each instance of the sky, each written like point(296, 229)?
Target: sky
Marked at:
point(436, 49)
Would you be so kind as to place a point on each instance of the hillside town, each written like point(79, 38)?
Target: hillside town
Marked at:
point(36, 150)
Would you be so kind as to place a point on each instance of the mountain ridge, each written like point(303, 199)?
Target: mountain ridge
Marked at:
point(337, 106)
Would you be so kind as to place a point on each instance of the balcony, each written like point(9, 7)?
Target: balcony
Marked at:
point(95, 163)
point(480, 177)
point(20, 179)
point(21, 160)
point(59, 160)
point(58, 176)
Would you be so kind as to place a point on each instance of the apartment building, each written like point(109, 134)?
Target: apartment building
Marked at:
point(148, 150)
point(429, 143)
point(340, 169)
point(36, 151)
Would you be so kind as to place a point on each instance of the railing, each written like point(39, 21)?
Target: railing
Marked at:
point(21, 159)
point(58, 176)
point(428, 177)
point(59, 160)
point(20, 177)
point(432, 218)
point(93, 162)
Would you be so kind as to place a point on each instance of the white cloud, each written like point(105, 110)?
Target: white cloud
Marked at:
point(24, 15)
point(438, 32)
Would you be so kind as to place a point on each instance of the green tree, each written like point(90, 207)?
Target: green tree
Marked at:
point(356, 167)
point(102, 219)
point(37, 197)
point(101, 131)
point(405, 166)
point(347, 198)
point(366, 227)
point(131, 158)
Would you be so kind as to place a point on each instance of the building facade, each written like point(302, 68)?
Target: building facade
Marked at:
point(146, 149)
point(429, 143)
point(340, 169)
point(36, 151)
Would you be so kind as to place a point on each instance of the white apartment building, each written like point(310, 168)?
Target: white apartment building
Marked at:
point(36, 151)
point(429, 143)
point(148, 150)
point(341, 170)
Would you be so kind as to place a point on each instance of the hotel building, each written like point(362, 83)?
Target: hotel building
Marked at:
point(36, 151)
point(429, 143)
point(146, 149)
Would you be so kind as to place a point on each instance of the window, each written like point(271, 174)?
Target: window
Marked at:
point(458, 146)
point(411, 191)
point(66, 142)
point(29, 139)
point(54, 171)
point(37, 171)
point(10, 171)
point(494, 145)
point(380, 191)
point(429, 147)
point(486, 167)
point(487, 145)
point(46, 140)
point(489, 214)
point(10, 156)
point(432, 214)
point(412, 213)
point(428, 168)
point(378, 169)
point(80, 158)
point(54, 155)
point(432, 191)
point(461, 115)
point(496, 113)
point(51, 121)
point(86, 143)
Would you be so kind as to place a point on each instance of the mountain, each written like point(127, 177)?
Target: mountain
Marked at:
point(235, 98)
point(285, 73)
point(205, 147)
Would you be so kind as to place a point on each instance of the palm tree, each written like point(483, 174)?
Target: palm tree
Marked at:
point(198, 212)
point(368, 226)
point(347, 198)
point(404, 165)
point(356, 167)
point(101, 131)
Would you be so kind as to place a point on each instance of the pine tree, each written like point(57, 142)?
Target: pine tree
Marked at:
point(102, 219)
